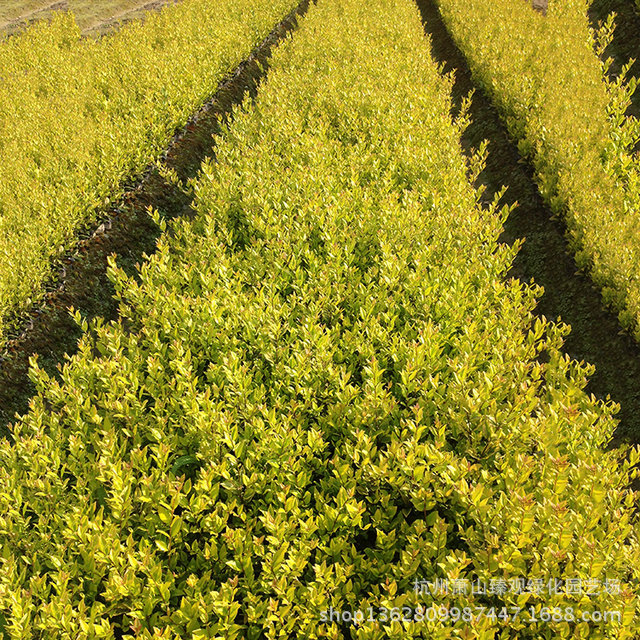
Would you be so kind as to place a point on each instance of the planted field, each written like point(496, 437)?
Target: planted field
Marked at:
point(321, 389)
point(94, 17)
point(78, 118)
point(552, 89)
point(545, 255)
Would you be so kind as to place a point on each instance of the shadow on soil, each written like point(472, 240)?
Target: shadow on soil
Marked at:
point(626, 39)
point(128, 231)
point(596, 335)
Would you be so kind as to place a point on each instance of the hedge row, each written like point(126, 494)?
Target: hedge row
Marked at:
point(79, 117)
point(545, 76)
point(320, 390)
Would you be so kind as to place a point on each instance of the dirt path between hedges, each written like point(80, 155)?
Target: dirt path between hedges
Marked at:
point(114, 22)
point(126, 230)
point(596, 335)
point(625, 45)
point(540, 5)
point(97, 27)
point(26, 17)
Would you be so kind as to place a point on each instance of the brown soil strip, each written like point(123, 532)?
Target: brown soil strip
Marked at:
point(596, 335)
point(126, 230)
point(541, 6)
point(128, 15)
point(626, 39)
point(27, 17)
point(149, 6)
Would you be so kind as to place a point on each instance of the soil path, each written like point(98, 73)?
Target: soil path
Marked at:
point(596, 335)
point(626, 39)
point(27, 17)
point(104, 26)
point(541, 6)
point(128, 231)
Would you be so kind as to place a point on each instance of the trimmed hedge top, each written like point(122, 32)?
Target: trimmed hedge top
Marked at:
point(320, 391)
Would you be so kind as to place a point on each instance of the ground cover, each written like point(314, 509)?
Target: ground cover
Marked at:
point(80, 117)
point(319, 390)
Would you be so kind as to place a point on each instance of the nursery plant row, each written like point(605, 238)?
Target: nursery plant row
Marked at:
point(322, 392)
point(80, 117)
point(546, 75)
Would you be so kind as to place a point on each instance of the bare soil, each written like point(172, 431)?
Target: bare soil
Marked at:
point(94, 18)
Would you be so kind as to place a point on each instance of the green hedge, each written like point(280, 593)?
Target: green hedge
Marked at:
point(79, 117)
point(321, 389)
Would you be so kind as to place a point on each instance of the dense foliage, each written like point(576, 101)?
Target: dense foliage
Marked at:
point(78, 117)
point(547, 80)
point(320, 390)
